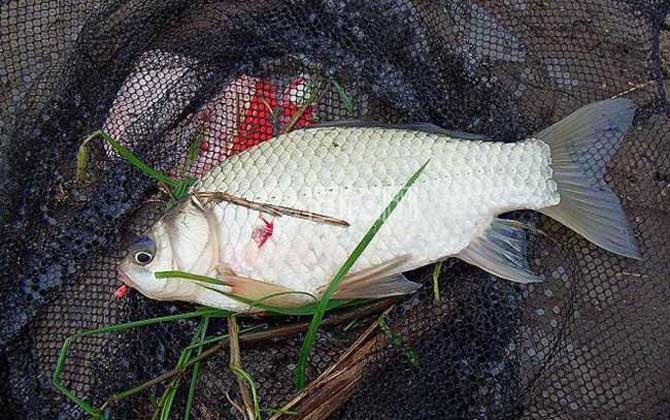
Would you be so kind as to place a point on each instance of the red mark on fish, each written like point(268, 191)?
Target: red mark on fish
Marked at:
point(121, 292)
point(261, 234)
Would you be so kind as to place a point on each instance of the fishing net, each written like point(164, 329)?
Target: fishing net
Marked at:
point(187, 84)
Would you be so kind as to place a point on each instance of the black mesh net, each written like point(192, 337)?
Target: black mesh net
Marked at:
point(591, 342)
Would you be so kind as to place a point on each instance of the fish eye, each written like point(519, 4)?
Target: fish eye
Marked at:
point(143, 257)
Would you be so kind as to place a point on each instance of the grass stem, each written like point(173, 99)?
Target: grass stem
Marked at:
point(436, 283)
point(236, 367)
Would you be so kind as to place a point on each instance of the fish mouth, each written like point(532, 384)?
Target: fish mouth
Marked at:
point(125, 278)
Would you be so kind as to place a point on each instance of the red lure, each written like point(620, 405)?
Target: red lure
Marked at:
point(121, 292)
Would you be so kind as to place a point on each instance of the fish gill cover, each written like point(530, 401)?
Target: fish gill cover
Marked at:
point(186, 84)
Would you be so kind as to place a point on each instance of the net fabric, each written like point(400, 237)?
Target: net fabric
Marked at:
point(591, 342)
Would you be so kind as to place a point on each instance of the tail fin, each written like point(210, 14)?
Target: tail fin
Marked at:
point(581, 145)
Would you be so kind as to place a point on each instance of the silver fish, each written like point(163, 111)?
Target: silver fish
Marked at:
point(283, 216)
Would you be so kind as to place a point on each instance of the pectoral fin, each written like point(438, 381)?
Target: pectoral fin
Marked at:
point(503, 250)
point(262, 291)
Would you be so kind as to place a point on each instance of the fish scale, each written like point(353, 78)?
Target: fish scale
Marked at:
point(352, 174)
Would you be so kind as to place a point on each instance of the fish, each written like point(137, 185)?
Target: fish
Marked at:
point(278, 220)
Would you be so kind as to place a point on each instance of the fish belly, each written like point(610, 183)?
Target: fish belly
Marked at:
point(352, 174)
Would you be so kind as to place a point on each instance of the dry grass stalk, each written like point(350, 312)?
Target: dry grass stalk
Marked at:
point(235, 364)
point(337, 384)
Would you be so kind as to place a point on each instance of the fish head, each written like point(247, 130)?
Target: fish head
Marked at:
point(146, 256)
point(180, 241)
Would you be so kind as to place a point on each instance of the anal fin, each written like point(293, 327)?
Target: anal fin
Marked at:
point(394, 285)
point(503, 250)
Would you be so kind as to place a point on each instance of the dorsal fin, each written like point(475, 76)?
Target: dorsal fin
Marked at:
point(425, 127)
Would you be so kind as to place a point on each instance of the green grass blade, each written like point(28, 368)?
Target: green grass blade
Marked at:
point(216, 339)
point(310, 337)
point(195, 148)
point(280, 411)
point(151, 321)
point(189, 276)
point(127, 155)
point(82, 160)
point(62, 357)
point(252, 385)
point(183, 360)
point(195, 374)
point(347, 100)
point(169, 399)
point(398, 341)
point(65, 350)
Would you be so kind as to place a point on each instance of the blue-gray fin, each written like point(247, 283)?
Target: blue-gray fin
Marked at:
point(502, 249)
point(424, 127)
